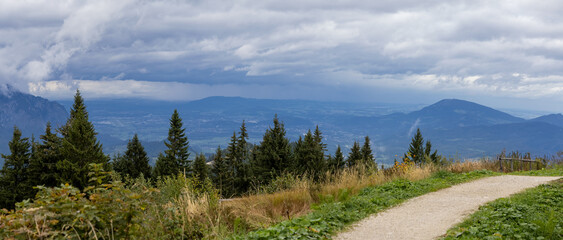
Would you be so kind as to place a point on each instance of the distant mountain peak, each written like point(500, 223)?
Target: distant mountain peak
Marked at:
point(448, 113)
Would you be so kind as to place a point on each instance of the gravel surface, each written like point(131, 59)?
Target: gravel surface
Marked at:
point(431, 215)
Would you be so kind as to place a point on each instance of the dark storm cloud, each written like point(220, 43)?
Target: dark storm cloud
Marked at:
point(480, 47)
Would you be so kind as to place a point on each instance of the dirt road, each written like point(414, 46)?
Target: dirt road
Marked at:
point(431, 215)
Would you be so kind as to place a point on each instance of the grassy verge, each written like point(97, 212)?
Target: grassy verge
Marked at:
point(330, 216)
point(556, 170)
point(533, 214)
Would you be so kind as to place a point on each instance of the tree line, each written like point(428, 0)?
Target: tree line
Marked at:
point(63, 156)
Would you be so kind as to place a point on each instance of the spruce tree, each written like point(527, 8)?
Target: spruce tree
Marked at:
point(243, 166)
point(80, 147)
point(200, 168)
point(274, 154)
point(48, 153)
point(14, 178)
point(175, 158)
point(367, 155)
point(416, 148)
point(338, 162)
point(135, 161)
point(231, 157)
point(219, 171)
point(355, 155)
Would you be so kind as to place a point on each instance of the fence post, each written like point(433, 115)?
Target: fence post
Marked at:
point(521, 161)
point(511, 164)
point(530, 164)
point(500, 163)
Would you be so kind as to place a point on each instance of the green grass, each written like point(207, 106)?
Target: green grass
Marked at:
point(329, 217)
point(532, 214)
point(553, 171)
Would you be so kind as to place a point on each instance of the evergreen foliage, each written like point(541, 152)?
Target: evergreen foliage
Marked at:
point(309, 155)
point(80, 146)
point(14, 181)
point(367, 156)
point(355, 155)
point(135, 161)
point(416, 148)
point(337, 162)
point(421, 153)
point(274, 153)
point(48, 153)
point(201, 171)
point(175, 158)
point(219, 172)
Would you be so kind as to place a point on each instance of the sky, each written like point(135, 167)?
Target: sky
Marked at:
point(503, 53)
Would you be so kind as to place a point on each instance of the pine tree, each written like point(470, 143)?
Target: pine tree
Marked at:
point(367, 155)
point(48, 153)
point(175, 158)
point(14, 180)
point(200, 168)
point(243, 166)
point(232, 165)
point(337, 162)
point(416, 148)
point(274, 154)
point(219, 171)
point(355, 155)
point(135, 161)
point(35, 169)
point(80, 147)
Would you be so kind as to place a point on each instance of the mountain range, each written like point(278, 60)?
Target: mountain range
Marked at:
point(456, 128)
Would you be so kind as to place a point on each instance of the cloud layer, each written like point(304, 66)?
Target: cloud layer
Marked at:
point(502, 48)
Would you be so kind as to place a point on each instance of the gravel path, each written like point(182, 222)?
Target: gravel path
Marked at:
point(431, 215)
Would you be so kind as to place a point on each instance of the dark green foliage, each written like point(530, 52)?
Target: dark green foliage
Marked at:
point(135, 161)
point(201, 171)
point(274, 153)
point(355, 155)
point(337, 162)
point(416, 148)
point(367, 155)
point(175, 158)
point(421, 154)
point(80, 147)
point(219, 172)
point(14, 179)
point(309, 155)
point(48, 153)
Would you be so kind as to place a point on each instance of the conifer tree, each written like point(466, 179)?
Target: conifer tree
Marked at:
point(200, 168)
point(367, 155)
point(14, 177)
point(274, 154)
point(355, 155)
point(135, 161)
point(80, 146)
point(219, 171)
point(48, 153)
point(231, 158)
point(175, 158)
point(416, 148)
point(243, 166)
point(337, 162)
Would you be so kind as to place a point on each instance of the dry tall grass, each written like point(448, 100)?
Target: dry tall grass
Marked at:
point(265, 209)
point(468, 166)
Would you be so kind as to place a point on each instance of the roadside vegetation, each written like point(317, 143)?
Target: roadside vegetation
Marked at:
point(64, 187)
point(533, 214)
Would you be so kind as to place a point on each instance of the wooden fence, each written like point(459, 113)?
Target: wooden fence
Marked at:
point(521, 162)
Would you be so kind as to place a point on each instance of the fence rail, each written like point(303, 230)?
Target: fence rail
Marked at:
point(520, 160)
